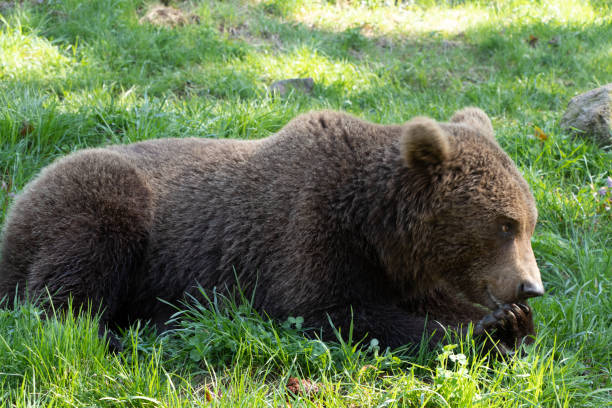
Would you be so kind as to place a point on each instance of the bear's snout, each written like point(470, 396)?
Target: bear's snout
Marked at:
point(530, 284)
point(516, 276)
point(529, 289)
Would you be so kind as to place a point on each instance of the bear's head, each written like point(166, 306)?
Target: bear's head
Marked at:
point(477, 213)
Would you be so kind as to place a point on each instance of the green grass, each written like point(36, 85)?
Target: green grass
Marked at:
point(76, 74)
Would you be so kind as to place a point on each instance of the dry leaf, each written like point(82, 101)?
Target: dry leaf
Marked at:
point(211, 395)
point(539, 133)
point(532, 40)
point(302, 387)
point(367, 371)
point(26, 128)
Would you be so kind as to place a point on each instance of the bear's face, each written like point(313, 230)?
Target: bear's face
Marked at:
point(481, 215)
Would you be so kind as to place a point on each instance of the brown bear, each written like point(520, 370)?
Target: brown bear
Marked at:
point(404, 230)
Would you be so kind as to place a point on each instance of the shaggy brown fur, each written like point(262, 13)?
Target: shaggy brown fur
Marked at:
point(405, 229)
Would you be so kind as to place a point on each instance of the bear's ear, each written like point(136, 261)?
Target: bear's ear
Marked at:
point(475, 118)
point(424, 142)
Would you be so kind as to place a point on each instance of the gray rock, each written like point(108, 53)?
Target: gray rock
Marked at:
point(589, 115)
point(285, 86)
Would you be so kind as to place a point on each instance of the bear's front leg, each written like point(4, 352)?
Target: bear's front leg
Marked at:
point(506, 328)
point(390, 325)
point(502, 330)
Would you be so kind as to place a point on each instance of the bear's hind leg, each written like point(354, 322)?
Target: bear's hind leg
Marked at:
point(87, 218)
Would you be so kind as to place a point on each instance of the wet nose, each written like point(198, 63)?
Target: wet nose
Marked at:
point(530, 289)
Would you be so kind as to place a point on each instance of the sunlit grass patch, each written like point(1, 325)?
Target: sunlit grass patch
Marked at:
point(230, 356)
point(29, 57)
point(307, 62)
point(546, 11)
point(431, 17)
point(383, 20)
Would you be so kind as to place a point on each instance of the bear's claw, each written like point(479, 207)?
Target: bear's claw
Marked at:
point(508, 327)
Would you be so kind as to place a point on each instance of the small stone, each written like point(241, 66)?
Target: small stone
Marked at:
point(285, 86)
point(589, 115)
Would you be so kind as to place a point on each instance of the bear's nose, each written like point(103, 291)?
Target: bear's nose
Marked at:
point(529, 289)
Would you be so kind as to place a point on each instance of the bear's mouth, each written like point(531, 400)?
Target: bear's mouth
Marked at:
point(486, 305)
point(494, 300)
point(489, 304)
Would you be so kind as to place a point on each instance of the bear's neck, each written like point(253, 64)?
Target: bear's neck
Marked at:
point(384, 206)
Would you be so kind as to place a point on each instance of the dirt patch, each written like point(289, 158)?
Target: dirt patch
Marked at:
point(168, 17)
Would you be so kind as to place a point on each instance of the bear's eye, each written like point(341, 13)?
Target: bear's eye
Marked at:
point(507, 228)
